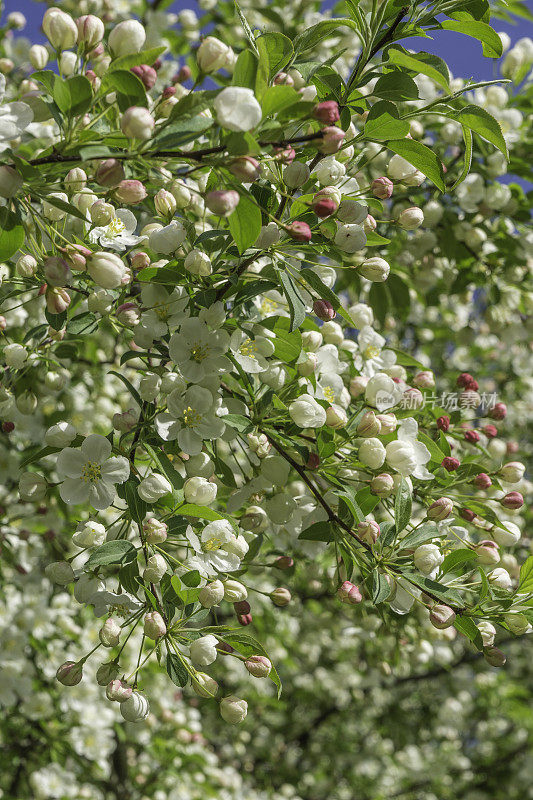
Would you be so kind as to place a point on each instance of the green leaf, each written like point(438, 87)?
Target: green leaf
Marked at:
point(12, 234)
point(73, 96)
point(318, 532)
point(276, 98)
point(325, 293)
point(82, 323)
point(436, 453)
point(424, 533)
point(402, 506)
point(245, 223)
point(492, 45)
point(134, 393)
point(456, 558)
point(47, 78)
point(317, 33)
point(420, 157)
point(380, 587)
point(438, 590)
point(279, 50)
point(246, 28)
point(202, 512)
point(181, 131)
point(383, 122)
point(481, 122)
point(424, 63)
point(64, 206)
point(245, 70)
point(287, 345)
point(128, 86)
point(135, 59)
point(468, 628)
point(294, 299)
point(118, 551)
point(238, 421)
point(467, 160)
point(176, 670)
point(526, 576)
point(396, 85)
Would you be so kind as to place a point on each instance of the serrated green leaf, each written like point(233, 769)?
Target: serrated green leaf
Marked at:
point(245, 223)
point(420, 157)
point(118, 551)
point(402, 506)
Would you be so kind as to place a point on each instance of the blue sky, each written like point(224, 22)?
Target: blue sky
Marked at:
point(461, 53)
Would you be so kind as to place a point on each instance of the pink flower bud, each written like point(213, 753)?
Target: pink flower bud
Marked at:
point(281, 597)
point(467, 514)
point(488, 552)
point(324, 206)
point(109, 173)
point(139, 260)
point(57, 300)
point(283, 79)
point(324, 310)
point(154, 625)
point(258, 666)
point(3, 322)
point(358, 386)
point(109, 633)
point(450, 463)
point(472, 436)
point(512, 500)
point(443, 424)
point(130, 191)
point(146, 74)
point(498, 412)
point(285, 155)
point(184, 74)
point(155, 532)
point(369, 224)
point(369, 425)
point(118, 690)
point(464, 379)
point(245, 169)
point(129, 314)
point(125, 421)
point(70, 673)
point(424, 380)
point(332, 139)
point(8, 427)
point(299, 231)
point(244, 619)
point(490, 431)
point(413, 398)
point(349, 593)
point(284, 562)
point(242, 607)
point(440, 509)
point(168, 91)
point(222, 202)
point(494, 656)
point(56, 271)
point(368, 531)
point(76, 256)
point(482, 481)
point(382, 485)
point(90, 31)
point(442, 616)
point(327, 112)
point(382, 188)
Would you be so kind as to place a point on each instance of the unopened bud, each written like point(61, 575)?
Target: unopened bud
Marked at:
point(440, 509)
point(349, 593)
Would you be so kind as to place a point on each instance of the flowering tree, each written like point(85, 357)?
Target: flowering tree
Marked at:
point(264, 315)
